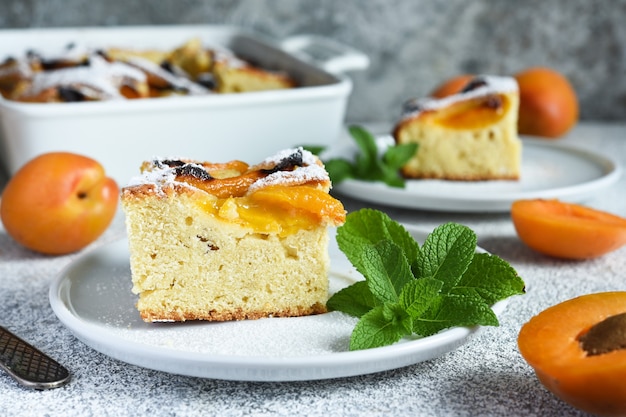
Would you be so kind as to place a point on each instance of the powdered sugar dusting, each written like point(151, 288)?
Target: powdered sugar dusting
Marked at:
point(272, 337)
point(310, 170)
point(164, 175)
point(21, 68)
point(300, 175)
point(178, 82)
point(101, 75)
point(72, 52)
point(307, 158)
point(493, 85)
point(161, 176)
point(227, 57)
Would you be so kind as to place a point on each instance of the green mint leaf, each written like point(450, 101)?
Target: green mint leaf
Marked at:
point(398, 317)
point(368, 163)
point(392, 177)
point(396, 156)
point(418, 295)
point(339, 169)
point(450, 310)
point(355, 300)
point(383, 325)
point(366, 160)
point(447, 253)
point(386, 270)
point(491, 278)
point(411, 289)
point(368, 227)
point(392, 161)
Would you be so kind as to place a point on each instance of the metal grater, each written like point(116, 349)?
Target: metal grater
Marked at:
point(28, 365)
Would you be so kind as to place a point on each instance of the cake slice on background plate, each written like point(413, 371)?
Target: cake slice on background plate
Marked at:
point(469, 136)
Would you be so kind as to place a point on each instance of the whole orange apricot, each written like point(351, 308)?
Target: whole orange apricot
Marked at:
point(561, 345)
point(567, 230)
point(58, 203)
point(452, 86)
point(548, 103)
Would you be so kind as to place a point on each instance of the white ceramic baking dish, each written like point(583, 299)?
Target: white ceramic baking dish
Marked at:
point(247, 126)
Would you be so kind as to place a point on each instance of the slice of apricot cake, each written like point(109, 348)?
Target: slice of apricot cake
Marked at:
point(229, 241)
point(469, 136)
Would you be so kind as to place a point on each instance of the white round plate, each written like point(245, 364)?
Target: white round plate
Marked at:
point(549, 170)
point(92, 297)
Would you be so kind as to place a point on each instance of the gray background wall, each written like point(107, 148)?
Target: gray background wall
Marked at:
point(413, 44)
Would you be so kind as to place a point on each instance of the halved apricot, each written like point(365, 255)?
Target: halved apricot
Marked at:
point(551, 343)
point(567, 230)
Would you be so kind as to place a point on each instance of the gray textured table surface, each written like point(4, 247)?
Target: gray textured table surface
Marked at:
point(485, 377)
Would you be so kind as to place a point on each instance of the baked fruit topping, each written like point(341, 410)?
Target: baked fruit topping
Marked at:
point(80, 74)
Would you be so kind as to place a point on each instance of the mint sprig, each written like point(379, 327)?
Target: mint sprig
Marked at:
point(369, 164)
point(412, 290)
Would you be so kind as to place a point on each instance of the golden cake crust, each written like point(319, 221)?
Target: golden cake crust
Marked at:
point(161, 315)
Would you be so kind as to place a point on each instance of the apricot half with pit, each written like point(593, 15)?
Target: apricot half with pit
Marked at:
point(578, 351)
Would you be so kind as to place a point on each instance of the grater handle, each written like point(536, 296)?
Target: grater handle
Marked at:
point(28, 365)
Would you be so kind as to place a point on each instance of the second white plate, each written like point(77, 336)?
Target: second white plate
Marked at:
point(548, 171)
point(92, 298)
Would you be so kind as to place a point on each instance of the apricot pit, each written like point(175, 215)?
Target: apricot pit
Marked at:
point(606, 336)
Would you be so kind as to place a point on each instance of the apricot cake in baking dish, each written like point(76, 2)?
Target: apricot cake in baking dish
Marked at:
point(96, 74)
point(229, 241)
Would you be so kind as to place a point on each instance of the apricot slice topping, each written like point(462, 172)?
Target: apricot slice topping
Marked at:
point(575, 353)
point(474, 114)
point(306, 199)
point(567, 230)
point(452, 86)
